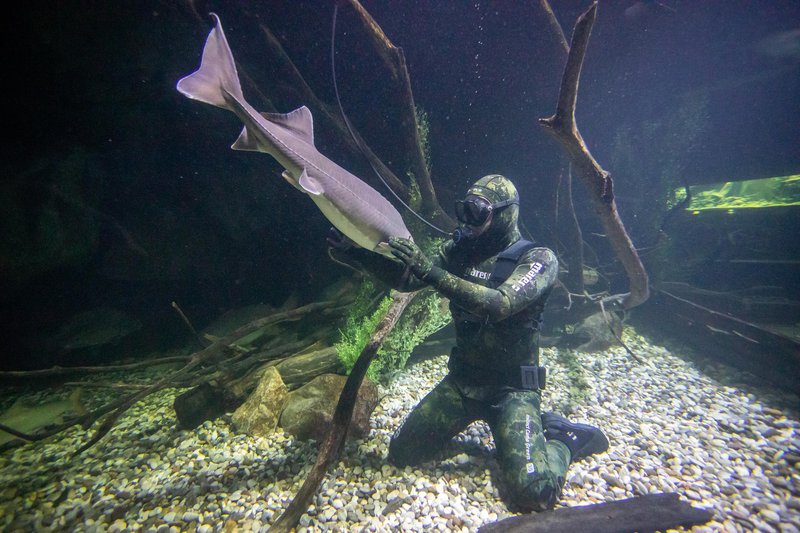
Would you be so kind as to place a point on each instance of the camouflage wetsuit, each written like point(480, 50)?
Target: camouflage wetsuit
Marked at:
point(496, 333)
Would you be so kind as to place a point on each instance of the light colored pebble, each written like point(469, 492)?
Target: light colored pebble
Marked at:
point(671, 427)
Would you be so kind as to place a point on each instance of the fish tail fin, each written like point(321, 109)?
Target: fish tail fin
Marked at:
point(217, 73)
point(75, 402)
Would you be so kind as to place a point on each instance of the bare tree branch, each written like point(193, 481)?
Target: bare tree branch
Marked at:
point(598, 182)
point(329, 448)
point(395, 61)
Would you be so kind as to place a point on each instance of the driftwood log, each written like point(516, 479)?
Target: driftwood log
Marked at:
point(598, 182)
point(642, 514)
point(329, 448)
point(11, 376)
point(220, 362)
point(222, 394)
point(766, 353)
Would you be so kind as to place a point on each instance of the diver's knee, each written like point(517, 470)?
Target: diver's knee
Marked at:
point(535, 493)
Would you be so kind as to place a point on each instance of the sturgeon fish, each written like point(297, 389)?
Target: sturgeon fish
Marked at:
point(353, 207)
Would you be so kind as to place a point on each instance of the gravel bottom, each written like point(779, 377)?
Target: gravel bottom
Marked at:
point(710, 434)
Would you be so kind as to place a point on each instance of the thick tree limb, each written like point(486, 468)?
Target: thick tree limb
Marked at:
point(214, 361)
point(329, 448)
point(598, 182)
point(651, 512)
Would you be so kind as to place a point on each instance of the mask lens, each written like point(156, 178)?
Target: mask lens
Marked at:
point(473, 210)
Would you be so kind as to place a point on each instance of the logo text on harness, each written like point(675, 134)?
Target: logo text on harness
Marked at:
point(536, 267)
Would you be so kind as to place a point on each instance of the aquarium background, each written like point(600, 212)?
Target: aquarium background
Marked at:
point(120, 196)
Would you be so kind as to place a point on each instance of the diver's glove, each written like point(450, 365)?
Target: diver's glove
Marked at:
point(415, 259)
point(338, 240)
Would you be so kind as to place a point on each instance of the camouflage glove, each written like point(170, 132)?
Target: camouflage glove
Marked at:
point(410, 254)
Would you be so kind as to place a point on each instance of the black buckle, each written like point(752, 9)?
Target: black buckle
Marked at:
point(533, 377)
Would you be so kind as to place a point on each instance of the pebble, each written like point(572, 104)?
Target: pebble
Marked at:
point(730, 448)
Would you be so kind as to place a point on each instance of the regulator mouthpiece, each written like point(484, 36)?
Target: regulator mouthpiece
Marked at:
point(463, 233)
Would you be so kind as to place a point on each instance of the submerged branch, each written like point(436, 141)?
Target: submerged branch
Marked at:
point(555, 27)
point(598, 182)
point(569, 228)
point(329, 448)
point(69, 370)
point(306, 94)
point(574, 235)
point(395, 62)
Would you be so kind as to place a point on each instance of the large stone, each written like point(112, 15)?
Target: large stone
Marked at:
point(259, 414)
point(309, 409)
point(204, 402)
point(598, 331)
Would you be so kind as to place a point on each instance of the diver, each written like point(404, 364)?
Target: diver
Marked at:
point(497, 284)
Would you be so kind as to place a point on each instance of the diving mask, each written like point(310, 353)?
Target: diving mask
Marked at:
point(475, 210)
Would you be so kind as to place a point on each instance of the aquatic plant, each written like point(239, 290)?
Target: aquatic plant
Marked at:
point(426, 315)
point(359, 325)
point(423, 317)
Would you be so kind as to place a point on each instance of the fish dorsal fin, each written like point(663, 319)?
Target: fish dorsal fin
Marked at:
point(299, 121)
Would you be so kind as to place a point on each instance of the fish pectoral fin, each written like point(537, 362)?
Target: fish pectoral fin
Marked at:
point(309, 185)
point(246, 142)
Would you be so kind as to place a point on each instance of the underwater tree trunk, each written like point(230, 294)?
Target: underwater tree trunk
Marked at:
point(395, 61)
point(329, 448)
point(598, 182)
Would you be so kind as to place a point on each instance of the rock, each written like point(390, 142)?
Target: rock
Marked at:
point(309, 409)
point(204, 402)
point(259, 414)
point(596, 331)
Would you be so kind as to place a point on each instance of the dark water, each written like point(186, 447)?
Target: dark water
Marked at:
point(119, 193)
